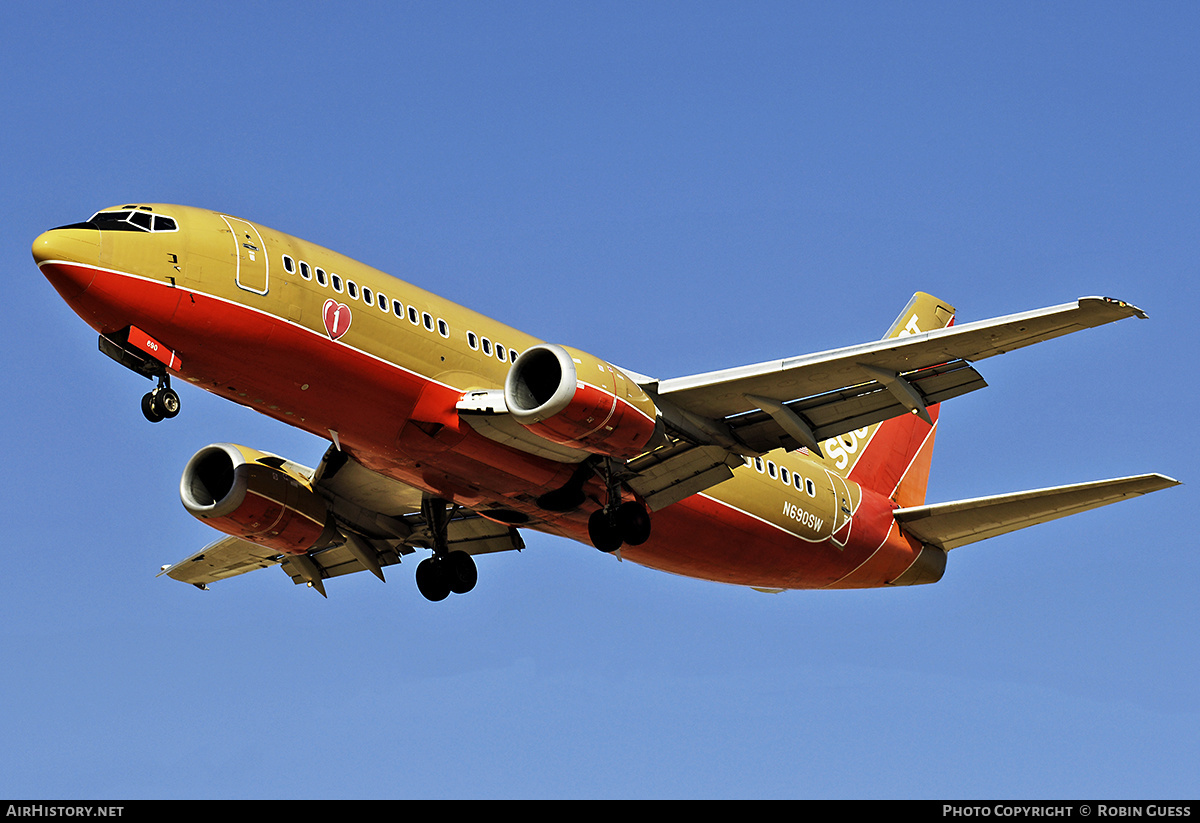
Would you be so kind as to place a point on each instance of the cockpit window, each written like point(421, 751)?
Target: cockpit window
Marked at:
point(133, 220)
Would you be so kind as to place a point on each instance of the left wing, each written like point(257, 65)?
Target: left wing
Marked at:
point(378, 521)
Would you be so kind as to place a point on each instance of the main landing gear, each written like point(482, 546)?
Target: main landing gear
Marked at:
point(618, 524)
point(162, 403)
point(442, 575)
point(611, 528)
point(447, 572)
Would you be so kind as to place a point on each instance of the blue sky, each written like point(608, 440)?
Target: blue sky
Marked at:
point(717, 184)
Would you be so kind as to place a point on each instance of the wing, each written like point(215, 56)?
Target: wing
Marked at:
point(379, 520)
point(803, 400)
point(950, 525)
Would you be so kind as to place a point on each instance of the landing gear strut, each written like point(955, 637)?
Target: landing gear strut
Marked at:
point(162, 403)
point(447, 572)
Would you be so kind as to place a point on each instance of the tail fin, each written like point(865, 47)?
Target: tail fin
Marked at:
point(893, 457)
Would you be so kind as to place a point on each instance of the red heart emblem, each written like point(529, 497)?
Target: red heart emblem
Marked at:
point(337, 318)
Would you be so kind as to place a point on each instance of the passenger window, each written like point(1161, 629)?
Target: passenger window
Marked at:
point(487, 347)
point(758, 464)
point(351, 288)
point(428, 318)
point(501, 353)
point(472, 340)
point(289, 265)
point(443, 329)
point(783, 475)
point(383, 302)
point(810, 487)
point(770, 469)
point(413, 317)
point(321, 277)
point(368, 297)
point(337, 283)
point(305, 272)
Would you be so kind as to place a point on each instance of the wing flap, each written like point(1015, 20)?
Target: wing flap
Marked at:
point(338, 560)
point(671, 473)
point(961, 522)
point(854, 407)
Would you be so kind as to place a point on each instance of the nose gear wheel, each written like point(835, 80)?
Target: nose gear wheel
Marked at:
point(162, 403)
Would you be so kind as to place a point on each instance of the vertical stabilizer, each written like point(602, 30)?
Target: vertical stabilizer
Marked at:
point(893, 457)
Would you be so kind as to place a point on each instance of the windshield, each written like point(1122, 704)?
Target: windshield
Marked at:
point(133, 218)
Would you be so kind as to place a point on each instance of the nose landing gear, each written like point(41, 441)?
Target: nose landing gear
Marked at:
point(141, 353)
point(162, 403)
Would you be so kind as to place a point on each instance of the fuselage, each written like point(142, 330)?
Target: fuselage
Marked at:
point(319, 341)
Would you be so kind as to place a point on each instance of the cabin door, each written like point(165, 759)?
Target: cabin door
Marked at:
point(252, 265)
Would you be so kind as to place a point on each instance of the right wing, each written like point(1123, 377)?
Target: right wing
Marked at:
point(958, 523)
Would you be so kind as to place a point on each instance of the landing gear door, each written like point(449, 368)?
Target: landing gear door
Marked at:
point(252, 265)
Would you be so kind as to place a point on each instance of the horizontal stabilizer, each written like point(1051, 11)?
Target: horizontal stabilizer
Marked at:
point(954, 524)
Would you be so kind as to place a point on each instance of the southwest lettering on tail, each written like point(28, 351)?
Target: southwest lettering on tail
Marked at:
point(450, 432)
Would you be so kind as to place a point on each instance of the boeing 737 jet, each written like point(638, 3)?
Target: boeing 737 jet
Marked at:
point(449, 432)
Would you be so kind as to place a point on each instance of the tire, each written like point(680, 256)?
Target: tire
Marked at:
point(633, 523)
point(460, 572)
point(150, 408)
point(167, 402)
point(432, 580)
point(604, 532)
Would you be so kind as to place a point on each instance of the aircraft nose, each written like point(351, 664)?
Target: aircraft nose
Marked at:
point(57, 253)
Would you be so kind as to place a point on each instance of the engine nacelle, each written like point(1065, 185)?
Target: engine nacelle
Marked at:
point(255, 496)
point(577, 400)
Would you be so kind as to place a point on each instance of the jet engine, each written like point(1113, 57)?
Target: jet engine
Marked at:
point(256, 496)
point(574, 399)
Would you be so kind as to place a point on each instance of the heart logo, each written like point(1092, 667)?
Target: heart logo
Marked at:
point(337, 318)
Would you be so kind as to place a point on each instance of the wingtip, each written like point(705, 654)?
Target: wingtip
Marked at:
point(1127, 308)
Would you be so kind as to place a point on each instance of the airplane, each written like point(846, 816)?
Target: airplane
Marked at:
point(450, 432)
